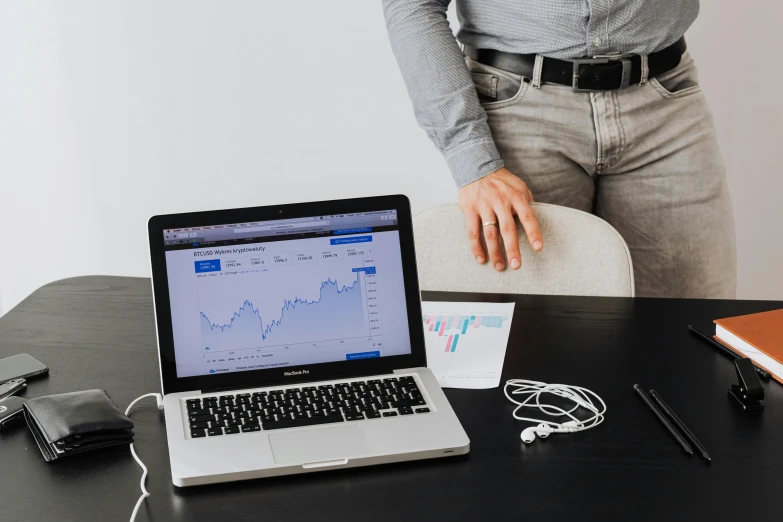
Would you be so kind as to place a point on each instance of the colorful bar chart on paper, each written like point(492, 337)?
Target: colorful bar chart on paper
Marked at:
point(466, 342)
point(452, 326)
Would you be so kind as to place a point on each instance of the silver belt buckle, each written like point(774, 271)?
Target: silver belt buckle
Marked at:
point(625, 79)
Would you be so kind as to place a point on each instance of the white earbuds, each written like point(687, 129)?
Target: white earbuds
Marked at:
point(542, 430)
point(533, 390)
point(528, 435)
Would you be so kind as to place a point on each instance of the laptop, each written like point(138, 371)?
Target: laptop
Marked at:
point(291, 341)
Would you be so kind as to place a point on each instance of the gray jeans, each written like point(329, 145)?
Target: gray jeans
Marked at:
point(645, 159)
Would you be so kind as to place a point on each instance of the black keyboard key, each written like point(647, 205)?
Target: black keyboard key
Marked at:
point(215, 431)
point(296, 423)
point(402, 403)
point(235, 409)
point(242, 395)
point(251, 426)
point(419, 402)
point(372, 414)
point(225, 398)
point(199, 425)
point(390, 414)
point(231, 429)
point(200, 411)
point(233, 422)
point(196, 434)
point(200, 418)
point(422, 410)
point(405, 410)
point(193, 401)
point(354, 416)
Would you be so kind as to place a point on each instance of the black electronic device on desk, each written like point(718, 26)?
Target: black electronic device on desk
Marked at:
point(11, 411)
point(22, 366)
point(12, 387)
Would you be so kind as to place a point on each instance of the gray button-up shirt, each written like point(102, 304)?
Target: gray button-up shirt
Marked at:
point(440, 86)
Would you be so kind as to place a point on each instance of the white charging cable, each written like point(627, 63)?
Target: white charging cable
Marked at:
point(528, 394)
point(144, 492)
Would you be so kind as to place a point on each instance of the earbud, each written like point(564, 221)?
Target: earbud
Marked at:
point(542, 430)
point(528, 435)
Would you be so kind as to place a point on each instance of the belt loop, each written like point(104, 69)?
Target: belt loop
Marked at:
point(645, 69)
point(538, 69)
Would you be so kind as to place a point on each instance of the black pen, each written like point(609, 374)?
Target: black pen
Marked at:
point(663, 419)
point(680, 425)
point(704, 336)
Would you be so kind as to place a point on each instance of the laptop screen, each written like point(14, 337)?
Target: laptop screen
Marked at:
point(289, 292)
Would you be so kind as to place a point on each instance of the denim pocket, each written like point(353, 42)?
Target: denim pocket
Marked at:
point(496, 88)
point(486, 86)
point(681, 81)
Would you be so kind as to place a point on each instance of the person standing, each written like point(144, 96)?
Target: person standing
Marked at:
point(590, 104)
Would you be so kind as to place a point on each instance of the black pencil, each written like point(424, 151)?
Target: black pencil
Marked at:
point(680, 425)
point(705, 337)
point(663, 419)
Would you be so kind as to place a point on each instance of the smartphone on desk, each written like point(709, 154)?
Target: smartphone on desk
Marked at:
point(22, 366)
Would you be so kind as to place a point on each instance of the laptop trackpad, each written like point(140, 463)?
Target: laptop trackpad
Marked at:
point(319, 445)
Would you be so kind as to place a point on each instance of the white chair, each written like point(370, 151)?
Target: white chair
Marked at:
point(582, 255)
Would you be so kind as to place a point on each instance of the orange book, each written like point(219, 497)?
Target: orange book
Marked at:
point(757, 336)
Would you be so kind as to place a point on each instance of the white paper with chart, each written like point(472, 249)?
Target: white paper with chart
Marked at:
point(466, 342)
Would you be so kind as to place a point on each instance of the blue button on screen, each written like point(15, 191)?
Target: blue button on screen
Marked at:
point(207, 265)
point(361, 355)
point(349, 240)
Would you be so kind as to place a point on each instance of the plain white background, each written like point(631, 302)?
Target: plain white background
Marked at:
point(111, 111)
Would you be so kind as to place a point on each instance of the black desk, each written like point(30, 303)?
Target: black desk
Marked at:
point(97, 332)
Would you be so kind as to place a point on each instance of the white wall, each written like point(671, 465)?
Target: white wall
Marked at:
point(111, 111)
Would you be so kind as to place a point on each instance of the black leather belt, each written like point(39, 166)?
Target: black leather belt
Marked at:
point(601, 73)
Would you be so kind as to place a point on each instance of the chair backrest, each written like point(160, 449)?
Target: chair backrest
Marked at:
point(582, 255)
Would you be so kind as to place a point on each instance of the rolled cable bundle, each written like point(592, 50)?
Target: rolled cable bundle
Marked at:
point(532, 395)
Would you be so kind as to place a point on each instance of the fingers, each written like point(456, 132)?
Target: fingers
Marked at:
point(473, 221)
point(508, 230)
point(492, 238)
point(529, 222)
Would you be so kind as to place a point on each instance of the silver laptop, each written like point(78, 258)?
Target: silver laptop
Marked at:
point(291, 341)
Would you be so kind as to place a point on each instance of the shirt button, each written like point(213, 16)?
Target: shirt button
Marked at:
point(596, 41)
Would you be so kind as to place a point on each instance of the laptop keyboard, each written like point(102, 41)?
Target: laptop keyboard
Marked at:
point(308, 406)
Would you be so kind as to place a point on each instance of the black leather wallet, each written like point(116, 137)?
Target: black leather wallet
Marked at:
point(70, 423)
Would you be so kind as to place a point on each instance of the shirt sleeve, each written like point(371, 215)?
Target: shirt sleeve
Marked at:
point(441, 89)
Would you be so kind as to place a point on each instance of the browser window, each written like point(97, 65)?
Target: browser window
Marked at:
point(289, 292)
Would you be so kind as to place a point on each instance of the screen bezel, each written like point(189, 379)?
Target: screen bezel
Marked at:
point(273, 376)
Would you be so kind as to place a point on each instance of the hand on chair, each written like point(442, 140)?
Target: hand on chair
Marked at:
point(490, 203)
